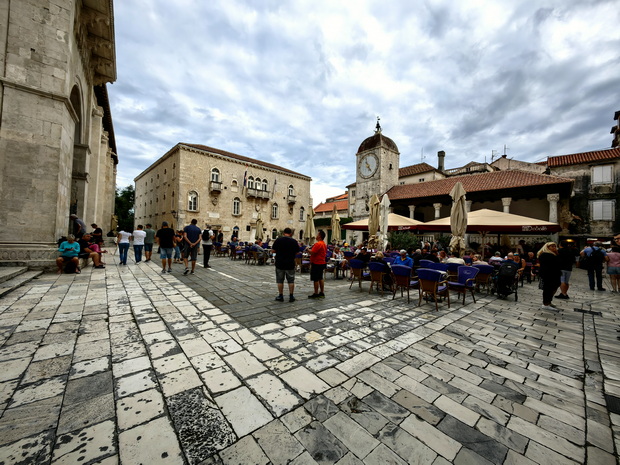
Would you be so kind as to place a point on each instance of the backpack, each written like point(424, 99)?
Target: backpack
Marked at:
point(595, 259)
point(206, 236)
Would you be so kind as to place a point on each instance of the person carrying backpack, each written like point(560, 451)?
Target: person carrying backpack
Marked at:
point(594, 257)
point(207, 244)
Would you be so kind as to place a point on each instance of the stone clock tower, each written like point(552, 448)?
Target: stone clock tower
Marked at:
point(377, 163)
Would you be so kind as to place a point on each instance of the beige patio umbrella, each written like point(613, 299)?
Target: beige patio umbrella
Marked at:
point(395, 223)
point(335, 225)
point(309, 232)
point(259, 229)
point(373, 219)
point(458, 218)
point(385, 221)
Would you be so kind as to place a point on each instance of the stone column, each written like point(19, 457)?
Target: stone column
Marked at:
point(506, 203)
point(553, 207)
point(411, 211)
point(437, 207)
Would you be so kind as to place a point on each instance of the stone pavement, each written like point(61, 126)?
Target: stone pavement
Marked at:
point(128, 365)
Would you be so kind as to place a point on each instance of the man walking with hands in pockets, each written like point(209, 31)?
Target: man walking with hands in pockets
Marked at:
point(285, 248)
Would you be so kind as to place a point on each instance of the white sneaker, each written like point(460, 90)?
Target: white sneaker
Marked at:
point(547, 307)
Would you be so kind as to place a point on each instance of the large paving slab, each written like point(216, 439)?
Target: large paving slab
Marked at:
point(129, 365)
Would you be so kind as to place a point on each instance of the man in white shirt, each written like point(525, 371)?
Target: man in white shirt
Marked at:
point(138, 242)
point(207, 244)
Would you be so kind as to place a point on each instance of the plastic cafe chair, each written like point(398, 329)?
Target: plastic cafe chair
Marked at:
point(377, 271)
point(357, 271)
point(402, 280)
point(453, 271)
point(466, 281)
point(443, 267)
point(425, 263)
point(484, 277)
point(432, 284)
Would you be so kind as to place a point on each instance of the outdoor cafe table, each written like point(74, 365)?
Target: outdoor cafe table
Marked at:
point(337, 266)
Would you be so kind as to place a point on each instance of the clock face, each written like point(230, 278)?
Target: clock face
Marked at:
point(368, 166)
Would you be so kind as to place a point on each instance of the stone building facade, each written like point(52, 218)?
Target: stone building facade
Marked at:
point(57, 148)
point(229, 192)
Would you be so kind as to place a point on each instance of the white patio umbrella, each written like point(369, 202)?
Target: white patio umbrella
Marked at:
point(458, 218)
point(335, 225)
point(385, 221)
point(310, 232)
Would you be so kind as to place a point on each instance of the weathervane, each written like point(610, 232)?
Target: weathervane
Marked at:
point(378, 126)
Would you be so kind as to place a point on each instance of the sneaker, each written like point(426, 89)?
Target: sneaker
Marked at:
point(553, 305)
point(321, 295)
point(313, 296)
point(561, 296)
point(186, 271)
point(547, 307)
point(280, 298)
point(291, 298)
point(169, 270)
point(100, 266)
point(207, 266)
point(191, 272)
point(602, 289)
point(163, 271)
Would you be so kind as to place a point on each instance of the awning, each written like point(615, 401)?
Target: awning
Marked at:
point(395, 223)
point(491, 221)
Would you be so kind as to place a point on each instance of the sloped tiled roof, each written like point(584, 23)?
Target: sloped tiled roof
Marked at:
point(329, 206)
point(338, 197)
point(414, 169)
point(242, 158)
point(475, 183)
point(581, 158)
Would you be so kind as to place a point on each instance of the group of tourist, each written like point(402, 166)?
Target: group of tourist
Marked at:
point(80, 245)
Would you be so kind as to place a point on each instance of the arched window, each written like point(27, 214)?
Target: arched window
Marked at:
point(215, 175)
point(291, 190)
point(274, 233)
point(301, 213)
point(234, 183)
point(274, 211)
point(257, 183)
point(250, 182)
point(236, 210)
point(192, 201)
point(264, 184)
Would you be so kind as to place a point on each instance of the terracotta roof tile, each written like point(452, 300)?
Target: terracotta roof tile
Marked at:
point(242, 158)
point(581, 158)
point(329, 206)
point(474, 183)
point(415, 169)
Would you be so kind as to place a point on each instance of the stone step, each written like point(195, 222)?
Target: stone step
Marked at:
point(9, 272)
point(17, 279)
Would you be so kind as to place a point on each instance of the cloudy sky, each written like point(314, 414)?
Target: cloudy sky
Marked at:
point(300, 83)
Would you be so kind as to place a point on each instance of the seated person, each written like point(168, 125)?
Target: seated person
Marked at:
point(346, 247)
point(455, 258)
point(426, 255)
point(416, 257)
point(403, 259)
point(337, 254)
point(86, 251)
point(263, 255)
point(443, 256)
point(97, 233)
point(69, 251)
point(496, 259)
point(518, 260)
point(233, 245)
point(363, 255)
point(387, 277)
point(478, 260)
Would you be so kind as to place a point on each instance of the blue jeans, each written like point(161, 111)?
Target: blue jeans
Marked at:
point(137, 251)
point(123, 248)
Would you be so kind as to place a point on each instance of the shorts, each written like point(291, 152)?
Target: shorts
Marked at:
point(148, 247)
point(613, 270)
point(565, 276)
point(165, 252)
point(317, 272)
point(191, 253)
point(67, 259)
point(281, 274)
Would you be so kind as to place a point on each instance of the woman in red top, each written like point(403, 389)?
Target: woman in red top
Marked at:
point(318, 261)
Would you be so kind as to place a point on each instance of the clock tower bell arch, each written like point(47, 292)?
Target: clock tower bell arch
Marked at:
point(377, 162)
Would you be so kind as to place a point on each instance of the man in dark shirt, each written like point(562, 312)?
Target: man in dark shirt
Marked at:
point(285, 248)
point(165, 240)
point(86, 252)
point(192, 236)
point(567, 260)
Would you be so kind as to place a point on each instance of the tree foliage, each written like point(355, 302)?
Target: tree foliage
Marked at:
point(123, 207)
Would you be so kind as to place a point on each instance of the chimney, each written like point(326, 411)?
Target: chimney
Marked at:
point(440, 160)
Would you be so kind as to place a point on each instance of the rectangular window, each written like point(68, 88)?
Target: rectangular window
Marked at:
point(602, 210)
point(602, 174)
